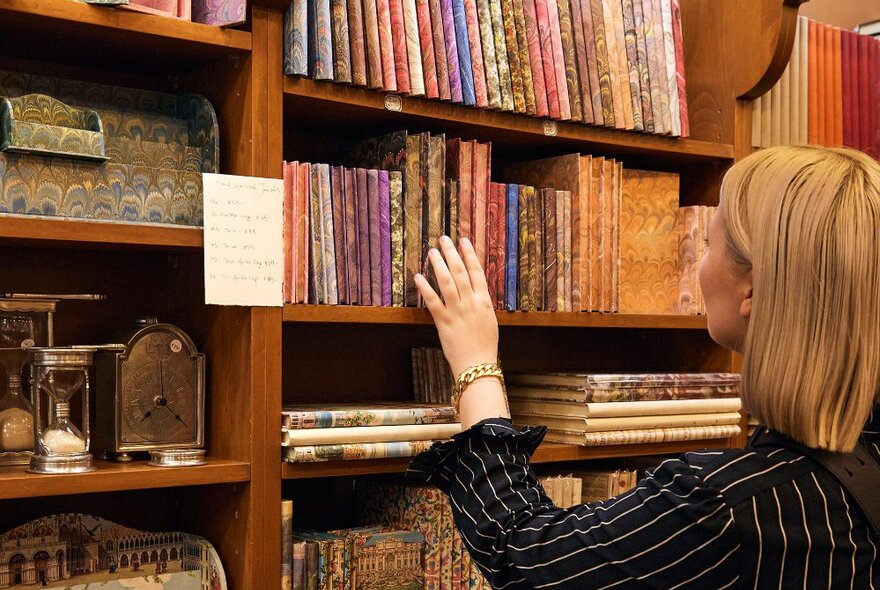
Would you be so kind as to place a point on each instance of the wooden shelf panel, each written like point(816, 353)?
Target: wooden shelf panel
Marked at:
point(40, 230)
point(16, 482)
point(56, 28)
point(320, 106)
point(546, 453)
point(411, 315)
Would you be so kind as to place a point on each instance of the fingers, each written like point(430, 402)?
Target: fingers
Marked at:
point(477, 277)
point(456, 266)
point(445, 281)
point(429, 296)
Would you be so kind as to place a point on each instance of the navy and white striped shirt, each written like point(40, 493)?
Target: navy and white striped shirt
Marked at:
point(734, 518)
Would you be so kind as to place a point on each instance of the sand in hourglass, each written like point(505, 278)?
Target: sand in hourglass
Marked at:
point(16, 430)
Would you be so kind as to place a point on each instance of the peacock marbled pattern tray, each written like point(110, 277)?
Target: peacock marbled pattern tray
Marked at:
point(40, 124)
point(156, 146)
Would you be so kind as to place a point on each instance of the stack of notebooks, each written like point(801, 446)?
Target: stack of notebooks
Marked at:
point(590, 410)
point(587, 486)
point(828, 95)
point(363, 558)
point(568, 233)
point(312, 433)
point(614, 63)
point(424, 510)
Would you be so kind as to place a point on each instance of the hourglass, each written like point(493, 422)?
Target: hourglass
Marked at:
point(16, 412)
point(58, 375)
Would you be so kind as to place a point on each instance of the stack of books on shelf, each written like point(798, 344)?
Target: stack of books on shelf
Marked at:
point(614, 63)
point(362, 558)
point(424, 510)
point(828, 94)
point(581, 487)
point(312, 433)
point(568, 233)
point(590, 410)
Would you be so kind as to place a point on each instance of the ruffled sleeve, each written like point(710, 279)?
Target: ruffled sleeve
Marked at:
point(438, 464)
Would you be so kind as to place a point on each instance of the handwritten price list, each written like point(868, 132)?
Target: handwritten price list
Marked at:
point(244, 259)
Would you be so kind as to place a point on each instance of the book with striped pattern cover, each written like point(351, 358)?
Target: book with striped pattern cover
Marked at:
point(316, 247)
point(525, 243)
point(287, 173)
point(329, 254)
point(614, 38)
point(643, 65)
point(395, 187)
point(357, 43)
point(438, 37)
point(865, 106)
point(547, 64)
point(669, 52)
point(490, 61)
point(341, 45)
point(590, 41)
point(362, 205)
point(812, 84)
point(684, 130)
point(509, 26)
point(846, 85)
point(505, 83)
point(371, 43)
point(603, 65)
point(558, 60)
point(350, 451)
point(386, 46)
point(413, 51)
point(551, 245)
point(296, 37)
point(583, 73)
point(522, 44)
point(320, 46)
point(659, 72)
point(569, 59)
point(398, 45)
point(534, 44)
point(384, 232)
point(462, 45)
point(413, 212)
point(337, 203)
point(426, 42)
point(482, 167)
point(303, 233)
point(352, 239)
point(476, 49)
point(822, 82)
point(450, 50)
point(494, 264)
point(829, 87)
point(837, 80)
point(632, 62)
point(511, 245)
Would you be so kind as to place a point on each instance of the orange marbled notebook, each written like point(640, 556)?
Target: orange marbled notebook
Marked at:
point(649, 239)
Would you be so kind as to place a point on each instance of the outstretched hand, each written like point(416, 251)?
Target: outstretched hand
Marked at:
point(463, 310)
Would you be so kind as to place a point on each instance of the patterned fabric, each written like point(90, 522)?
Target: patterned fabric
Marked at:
point(757, 518)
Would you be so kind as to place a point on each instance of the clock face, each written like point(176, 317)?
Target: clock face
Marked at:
point(159, 397)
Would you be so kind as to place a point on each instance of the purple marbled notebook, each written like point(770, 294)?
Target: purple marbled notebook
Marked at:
point(220, 13)
point(373, 211)
point(363, 223)
point(385, 237)
point(451, 51)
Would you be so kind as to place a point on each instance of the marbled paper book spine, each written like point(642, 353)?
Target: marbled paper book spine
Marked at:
point(385, 237)
point(499, 37)
point(534, 44)
point(438, 36)
point(547, 65)
point(395, 183)
point(583, 73)
point(462, 46)
point(363, 226)
point(513, 55)
point(558, 60)
point(490, 61)
point(632, 62)
point(450, 50)
point(341, 44)
point(317, 240)
point(426, 42)
point(413, 50)
point(476, 49)
point(330, 282)
point(386, 46)
point(569, 59)
point(511, 246)
point(398, 44)
point(296, 34)
point(351, 236)
point(643, 65)
point(602, 64)
point(357, 42)
point(337, 197)
point(679, 68)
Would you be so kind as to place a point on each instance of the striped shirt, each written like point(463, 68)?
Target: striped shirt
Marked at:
point(734, 518)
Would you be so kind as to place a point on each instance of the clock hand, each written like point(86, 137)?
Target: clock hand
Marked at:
point(178, 418)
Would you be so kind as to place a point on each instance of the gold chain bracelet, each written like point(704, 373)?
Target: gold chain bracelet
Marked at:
point(473, 373)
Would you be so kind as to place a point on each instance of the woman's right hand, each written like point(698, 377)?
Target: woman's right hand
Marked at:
point(464, 316)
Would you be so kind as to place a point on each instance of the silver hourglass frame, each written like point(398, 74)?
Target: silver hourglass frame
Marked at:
point(45, 361)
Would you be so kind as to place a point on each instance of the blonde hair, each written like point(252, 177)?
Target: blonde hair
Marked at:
point(806, 222)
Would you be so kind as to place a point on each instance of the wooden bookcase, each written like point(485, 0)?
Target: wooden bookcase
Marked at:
point(259, 357)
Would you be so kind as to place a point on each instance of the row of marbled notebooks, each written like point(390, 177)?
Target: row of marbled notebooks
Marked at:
point(615, 63)
point(568, 233)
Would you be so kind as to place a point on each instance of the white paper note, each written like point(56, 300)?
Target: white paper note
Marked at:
point(244, 258)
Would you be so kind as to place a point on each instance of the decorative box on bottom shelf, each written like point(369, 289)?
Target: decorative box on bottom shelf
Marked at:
point(79, 551)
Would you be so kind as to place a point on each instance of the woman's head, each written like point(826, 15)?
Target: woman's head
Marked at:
point(792, 278)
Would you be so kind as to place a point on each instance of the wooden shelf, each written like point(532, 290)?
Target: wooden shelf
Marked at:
point(546, 453)
point(309, 104)
point(55, 29)
point(110, 476)
point(350, 314)
point(57, 231)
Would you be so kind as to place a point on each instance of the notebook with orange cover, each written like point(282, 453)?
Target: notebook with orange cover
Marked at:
point(813, 82)
point(649, 239)
point(619, 72)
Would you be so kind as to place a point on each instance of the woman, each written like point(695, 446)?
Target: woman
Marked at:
point(792, 281)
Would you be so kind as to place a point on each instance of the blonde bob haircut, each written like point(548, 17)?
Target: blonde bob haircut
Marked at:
point(806, 222)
